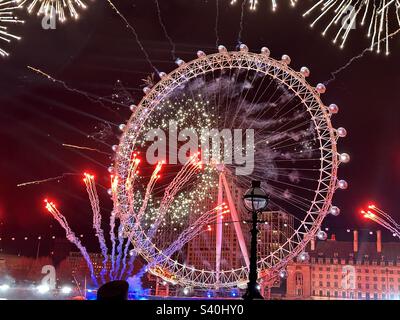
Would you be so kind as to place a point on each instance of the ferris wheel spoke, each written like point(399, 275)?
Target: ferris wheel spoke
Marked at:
point(231, 98)
point(294, 144)
point(254, 103)
point(236, 224)
point(290, 129)
point(298, 203)
point(306, 201)
point(279, 108)
point(219, 230)
point(262, 112)
point(241, 100)
point(293, 185)
point(228, 91)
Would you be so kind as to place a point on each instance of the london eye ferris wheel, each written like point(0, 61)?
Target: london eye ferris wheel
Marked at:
point(185, 217)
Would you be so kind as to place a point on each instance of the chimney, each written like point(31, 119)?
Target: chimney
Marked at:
point(355, 241)
point(313, 244)
point(379, 241)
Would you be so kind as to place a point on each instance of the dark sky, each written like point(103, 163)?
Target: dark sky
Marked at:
point(91, 54)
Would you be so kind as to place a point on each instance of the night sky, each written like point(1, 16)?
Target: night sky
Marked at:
point(37, 115)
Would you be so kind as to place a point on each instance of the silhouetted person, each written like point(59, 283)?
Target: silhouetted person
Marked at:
point(113, 291)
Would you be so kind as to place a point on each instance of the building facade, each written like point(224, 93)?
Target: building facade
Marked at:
point(347, 270)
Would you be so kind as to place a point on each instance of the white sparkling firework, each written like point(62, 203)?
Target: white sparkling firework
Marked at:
point(63, 9)
point(295, 159)
point(7, 20)
point(379, 18)
point(253, 4)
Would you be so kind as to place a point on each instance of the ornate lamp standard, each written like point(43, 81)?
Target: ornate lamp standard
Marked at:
point(255, 201)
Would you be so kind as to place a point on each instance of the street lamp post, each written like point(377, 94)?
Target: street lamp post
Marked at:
point(255, 201)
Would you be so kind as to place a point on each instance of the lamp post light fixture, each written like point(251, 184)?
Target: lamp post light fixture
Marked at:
point(255, 201)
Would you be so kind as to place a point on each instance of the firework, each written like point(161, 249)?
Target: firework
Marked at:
point(95, 203)
point(380, 19)
point(59, 8)
point(382, 218)
point(51, 207)
point(253, 4)
point(141, 203)
point(7, 19)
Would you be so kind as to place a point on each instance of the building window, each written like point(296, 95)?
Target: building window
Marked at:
point(343, 294)
point(299, 279)
point(359, 295)
point(367, 296)
point(336, 294)
point(375, 296)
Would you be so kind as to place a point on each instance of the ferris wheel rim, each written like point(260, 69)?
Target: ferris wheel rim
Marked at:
point(185, 73)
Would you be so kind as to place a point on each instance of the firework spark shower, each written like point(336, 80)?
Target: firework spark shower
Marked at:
point(378, 19)
point(8, 19)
